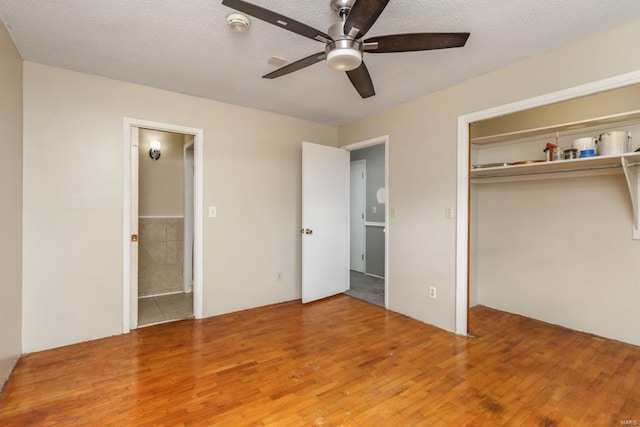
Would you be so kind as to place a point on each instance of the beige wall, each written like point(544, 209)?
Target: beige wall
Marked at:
point(73, 201)
point(10, 204)
point(423, 139)
point(161, 181)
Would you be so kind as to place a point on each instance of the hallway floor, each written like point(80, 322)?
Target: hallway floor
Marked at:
point(164, 308)
point(367, 288)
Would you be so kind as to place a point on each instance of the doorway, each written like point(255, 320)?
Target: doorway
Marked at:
point(163, 223)
point(325, 219)
point(164, 230)
point(368, 223)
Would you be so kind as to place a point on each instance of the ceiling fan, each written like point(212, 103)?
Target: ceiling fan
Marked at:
point(344, 45)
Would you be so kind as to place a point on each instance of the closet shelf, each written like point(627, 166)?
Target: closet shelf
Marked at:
point(564, 129)
point(479, 175)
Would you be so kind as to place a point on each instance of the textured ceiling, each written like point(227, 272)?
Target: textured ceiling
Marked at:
point(186, 46)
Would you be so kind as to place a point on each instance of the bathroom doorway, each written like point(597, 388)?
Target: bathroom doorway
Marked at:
point(164, 230)
point(162, 223)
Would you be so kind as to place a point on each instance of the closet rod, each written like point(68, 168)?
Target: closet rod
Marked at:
point(506, 175)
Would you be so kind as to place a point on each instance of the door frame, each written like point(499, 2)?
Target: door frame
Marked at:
point(189, 207)
point(364, 144)
point(127, 291)
point(364, 210)
point(463, 185)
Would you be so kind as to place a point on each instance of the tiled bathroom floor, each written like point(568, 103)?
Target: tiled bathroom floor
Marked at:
point(164, 308)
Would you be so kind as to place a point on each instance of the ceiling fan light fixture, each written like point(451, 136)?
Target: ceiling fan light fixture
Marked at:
point(344, 54)
point(345, 59)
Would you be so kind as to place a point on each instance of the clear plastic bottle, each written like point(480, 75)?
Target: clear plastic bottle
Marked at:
point(558, 154)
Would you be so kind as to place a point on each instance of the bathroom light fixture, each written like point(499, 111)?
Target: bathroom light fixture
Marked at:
point(154, 151)
point(238, 22)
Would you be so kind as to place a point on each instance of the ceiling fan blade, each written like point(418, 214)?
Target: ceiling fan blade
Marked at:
point(415, 42)
point(277, 19)
point(361, 80)
point(295, 66)
point(363, 15)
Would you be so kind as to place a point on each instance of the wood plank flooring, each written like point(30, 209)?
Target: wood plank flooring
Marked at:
point(334, 362)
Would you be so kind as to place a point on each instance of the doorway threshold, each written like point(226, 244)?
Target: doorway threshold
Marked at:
point(367, 288)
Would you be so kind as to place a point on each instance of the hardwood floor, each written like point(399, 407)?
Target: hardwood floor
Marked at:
point(334, 362)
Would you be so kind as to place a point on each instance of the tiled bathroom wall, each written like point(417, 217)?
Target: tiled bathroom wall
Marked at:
point(160, 255)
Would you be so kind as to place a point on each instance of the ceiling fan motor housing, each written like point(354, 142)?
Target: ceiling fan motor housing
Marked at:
point(343, 52)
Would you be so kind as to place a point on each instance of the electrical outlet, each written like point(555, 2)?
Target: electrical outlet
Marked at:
point(394, 212)
point(432, 292)
point(280, 277)
point(374, 209)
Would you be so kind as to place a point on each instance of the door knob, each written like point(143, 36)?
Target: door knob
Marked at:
point(134, 237)
point(306, 231)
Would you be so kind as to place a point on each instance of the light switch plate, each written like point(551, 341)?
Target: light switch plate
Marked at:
point(448, 213)
point(212, 212)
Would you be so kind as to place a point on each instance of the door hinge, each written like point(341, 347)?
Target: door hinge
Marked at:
point(362, 175)
point(363, 257)
point(362, 215)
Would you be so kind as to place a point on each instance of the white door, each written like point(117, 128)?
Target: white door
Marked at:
point(325, 197)
point(134, 228)
point(356, 215)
